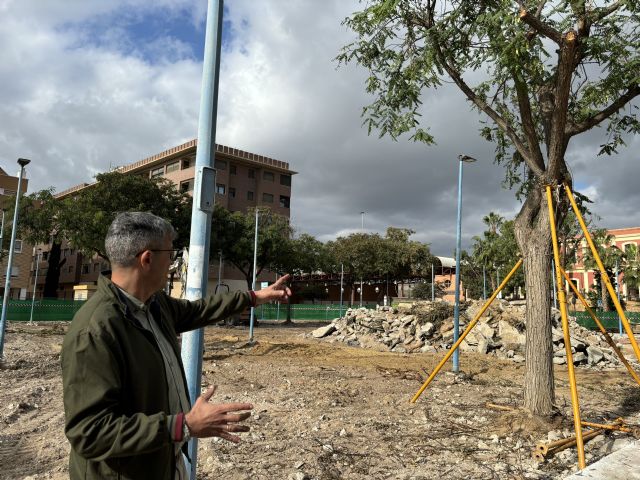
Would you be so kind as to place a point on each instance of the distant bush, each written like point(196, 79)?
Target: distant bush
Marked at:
point(422, 291)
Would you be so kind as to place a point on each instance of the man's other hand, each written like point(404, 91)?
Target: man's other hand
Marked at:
point(216, 419)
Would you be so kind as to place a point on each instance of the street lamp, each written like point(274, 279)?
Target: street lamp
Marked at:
point(456, 309)
point(23, 162)
point(253, 284)
point(35, 285)
point(2, 230)
point(360, 290)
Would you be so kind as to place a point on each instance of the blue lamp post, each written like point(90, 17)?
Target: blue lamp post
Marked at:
point(23, 162)
point(456, 309)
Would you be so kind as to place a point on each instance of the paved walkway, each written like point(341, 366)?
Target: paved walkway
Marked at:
point(621, 465)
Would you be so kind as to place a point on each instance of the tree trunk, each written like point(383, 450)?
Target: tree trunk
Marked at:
point(52, 279)
point(604, 295)
point(533, 234)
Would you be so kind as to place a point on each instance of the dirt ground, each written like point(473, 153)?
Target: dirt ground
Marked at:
point(325, 410)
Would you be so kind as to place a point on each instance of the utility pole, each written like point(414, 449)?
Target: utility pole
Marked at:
point(23, 162)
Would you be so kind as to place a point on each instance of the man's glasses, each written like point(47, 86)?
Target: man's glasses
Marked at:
point(173, 255)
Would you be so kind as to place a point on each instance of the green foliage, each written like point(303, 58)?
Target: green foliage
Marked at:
point(548, 68)
point(83, 219)
point(496, 250)
point(394, 256)
point(610, 256)
point(422, 291)
point(233, 233)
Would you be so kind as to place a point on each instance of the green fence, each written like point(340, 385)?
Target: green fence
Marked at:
point(43, 310)
point(64, 310)
point(323, 313)
point(608, 319)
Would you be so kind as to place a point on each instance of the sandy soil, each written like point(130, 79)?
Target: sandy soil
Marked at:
point(325, 410)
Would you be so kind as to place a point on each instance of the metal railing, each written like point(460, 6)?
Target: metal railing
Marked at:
point(609, 320)
point(52, 310)
point(46, 310)
point(318, 313)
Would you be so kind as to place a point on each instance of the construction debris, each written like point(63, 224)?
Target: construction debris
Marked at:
point(428, 327)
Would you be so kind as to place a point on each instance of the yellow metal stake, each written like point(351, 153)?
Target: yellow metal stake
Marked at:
point(466, 331)
point(604, 276)
point(562, 300)
point(607, 337)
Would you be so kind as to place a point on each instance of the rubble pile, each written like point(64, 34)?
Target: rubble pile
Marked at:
point(428, 327)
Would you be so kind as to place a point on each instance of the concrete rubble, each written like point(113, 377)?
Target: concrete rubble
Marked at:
point(428, 327)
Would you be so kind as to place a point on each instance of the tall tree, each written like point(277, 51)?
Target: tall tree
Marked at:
point(233, 234)
point(631, 270)
point(87, 215)
point(545, 72)
point(611, 257)
point(83, 219)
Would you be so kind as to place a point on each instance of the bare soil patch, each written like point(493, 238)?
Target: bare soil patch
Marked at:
point(327, 411)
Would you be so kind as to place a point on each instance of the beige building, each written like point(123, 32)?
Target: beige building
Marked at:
point(20, 287)
point(243, 180)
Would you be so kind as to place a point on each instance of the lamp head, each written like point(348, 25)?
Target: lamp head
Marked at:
point(23, 162)
point(466, 158)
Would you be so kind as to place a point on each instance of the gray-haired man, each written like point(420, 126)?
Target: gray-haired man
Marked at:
point(126, 404)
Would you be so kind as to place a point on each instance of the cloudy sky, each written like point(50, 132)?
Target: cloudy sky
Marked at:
point(90, 84)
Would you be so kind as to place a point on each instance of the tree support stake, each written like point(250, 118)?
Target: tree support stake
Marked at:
point(562, 299)
point(603, 272)
point(466, 331)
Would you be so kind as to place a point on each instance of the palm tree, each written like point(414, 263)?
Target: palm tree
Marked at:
point(631, 269)
point(610, 256)
point(493, 221)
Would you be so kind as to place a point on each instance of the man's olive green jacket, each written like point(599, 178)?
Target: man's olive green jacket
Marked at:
point(115, 388)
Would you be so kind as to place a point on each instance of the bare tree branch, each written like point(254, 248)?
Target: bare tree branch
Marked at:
point(598, 14)
point(527, 120)
point(595, 119)
point(540, 27)
point(495, 116)
point(566, 66)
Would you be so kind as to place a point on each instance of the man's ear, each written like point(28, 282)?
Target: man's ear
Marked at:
point(145, 258)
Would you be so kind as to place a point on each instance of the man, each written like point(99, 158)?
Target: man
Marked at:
point(127, 411)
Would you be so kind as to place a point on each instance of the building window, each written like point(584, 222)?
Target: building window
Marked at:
point(252, 173)
point(172, 167)
point(220, 165)
point(186, 186)
point(157, 172)
point(85, 269)
point(96, 267)
point(220, 188)
point(15, 271)
point(285, 180)
point(232, 192)
point(267, 197)
point(70, 269)
point(233, 169)
point(249, 195)
point(284, 201)
point(186, 163)
point(268, 176)
point(67, 252)
point(17, 246)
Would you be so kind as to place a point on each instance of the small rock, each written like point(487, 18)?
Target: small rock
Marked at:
point(323, 331)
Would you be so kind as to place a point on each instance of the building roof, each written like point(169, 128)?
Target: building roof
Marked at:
point(185, 148)
point(447, 262)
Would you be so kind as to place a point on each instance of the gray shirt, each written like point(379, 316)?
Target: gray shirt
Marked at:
point(178, 397)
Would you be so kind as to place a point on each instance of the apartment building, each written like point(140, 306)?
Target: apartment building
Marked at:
point(243, 180)
point(23, 252)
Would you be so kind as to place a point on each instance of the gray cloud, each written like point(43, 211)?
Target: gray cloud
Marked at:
point(76, 108)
